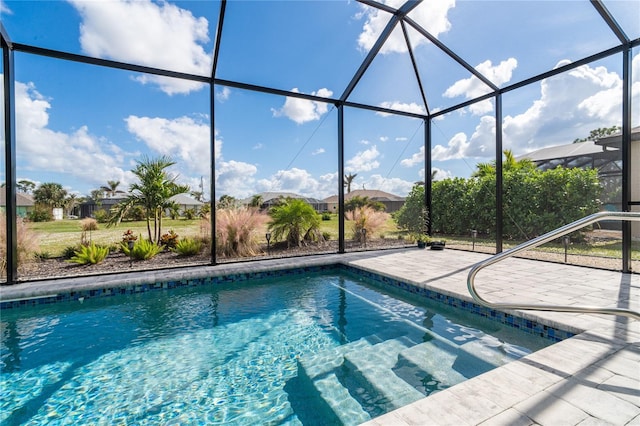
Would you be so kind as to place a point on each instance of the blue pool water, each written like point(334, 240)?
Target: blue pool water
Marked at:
point(318, 349)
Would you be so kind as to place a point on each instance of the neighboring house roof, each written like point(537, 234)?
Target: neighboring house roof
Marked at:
point(563, 151)
point(372, 194)
point(22, 199)
point(615, 139)
point(185, 200)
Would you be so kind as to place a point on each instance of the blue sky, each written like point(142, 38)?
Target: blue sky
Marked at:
point(81, 125)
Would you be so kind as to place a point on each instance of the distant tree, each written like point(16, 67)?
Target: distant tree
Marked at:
point(111, 188)
point(25, 186)
point(358, 202)
point(599, 133)
point(152, 193)
point(348, 180)
point(50, 194)
point(97, 195)
point(198, 195)
point(70, 203)
point(509, 163)
point(256, 201)
point(227, 202)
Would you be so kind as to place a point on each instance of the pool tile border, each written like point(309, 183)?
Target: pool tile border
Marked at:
point(527, 325)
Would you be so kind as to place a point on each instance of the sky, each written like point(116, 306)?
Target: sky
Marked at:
point(83, 125)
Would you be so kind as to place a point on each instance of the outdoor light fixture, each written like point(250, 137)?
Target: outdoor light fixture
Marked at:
point(565, 241)
point(363, 231)
point(474, 235)
point(130, 245)
point(268, 237)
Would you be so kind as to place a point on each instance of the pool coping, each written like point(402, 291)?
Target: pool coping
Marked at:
point(569, 380)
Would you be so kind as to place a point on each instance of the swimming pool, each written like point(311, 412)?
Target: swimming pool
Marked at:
point(321, 348)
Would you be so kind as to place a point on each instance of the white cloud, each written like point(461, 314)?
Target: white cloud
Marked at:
point(569, 106)
point(318, 151)
point(223, 95)
point(417, 158)
point(183, 139)
point(432, 16)
point(235, 178)
point(4, 8)
point(364, 142)
point(41, 148)
point(172, 39)
point(258, 146)
point(298, 181)
point(302, 110)
point(384, 138)
point(363, 161)
point(394, 185)
point(472, 87)
point(401, 139)
point(400, 106)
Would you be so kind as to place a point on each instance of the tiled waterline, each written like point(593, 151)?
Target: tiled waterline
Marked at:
point(589, 378)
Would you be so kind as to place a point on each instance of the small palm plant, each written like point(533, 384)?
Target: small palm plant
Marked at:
point(142, 249)
point(90, 254)
point(294, 220)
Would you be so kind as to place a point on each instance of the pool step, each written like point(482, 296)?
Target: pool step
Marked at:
point(374, 368)
point(434, 358)
point(393, 372)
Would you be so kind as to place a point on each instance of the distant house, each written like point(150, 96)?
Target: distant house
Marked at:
point(24, 202)
point(270, 199)
point(186, 202)
point(391, 202)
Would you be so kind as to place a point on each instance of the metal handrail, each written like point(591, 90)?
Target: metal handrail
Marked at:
point(578, 224)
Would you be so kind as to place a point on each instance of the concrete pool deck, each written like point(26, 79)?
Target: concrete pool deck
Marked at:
point(591, 378)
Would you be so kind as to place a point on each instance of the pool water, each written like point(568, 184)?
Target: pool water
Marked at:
point(318, 349)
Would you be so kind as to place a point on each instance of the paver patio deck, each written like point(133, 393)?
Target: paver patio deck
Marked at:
point(591, 378)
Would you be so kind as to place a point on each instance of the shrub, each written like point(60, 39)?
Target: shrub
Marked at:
point(190, 214)
point(102, 216)
point(28, 243)
point(413, 217)
point(236, 231)
point(326, 235)
point(40, 214)
point(42, 255)
point(368, 219)
point(69, 251)
point(127, 236)
point(294, 220)
point(188, 247)
point(169, 240)
point(89, 224)
point(89, 254)
point(142, 249)
point(326, 216)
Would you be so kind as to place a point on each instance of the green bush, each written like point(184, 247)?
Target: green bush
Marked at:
point(142, 249)
point(169, 240)
point(89, 254)
point(326, 235)
point(69, 251)
point(534, 201)
point(188, 247)
point(326, 216)
point(294, 220)
point(40, 214)
point(101, 216)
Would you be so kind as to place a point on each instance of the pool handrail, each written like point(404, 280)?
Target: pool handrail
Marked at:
point(549, 236)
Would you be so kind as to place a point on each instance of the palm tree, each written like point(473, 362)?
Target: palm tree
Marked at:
point(293, 219)
point(111, 188)
point(152, 193)
point(256, 201)
point(50, 194)
point(510, 163)
point(348, 180)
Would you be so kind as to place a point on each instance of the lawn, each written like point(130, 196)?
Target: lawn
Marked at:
point(57, 235)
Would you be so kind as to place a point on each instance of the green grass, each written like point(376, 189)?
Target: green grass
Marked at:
point(55, 236)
